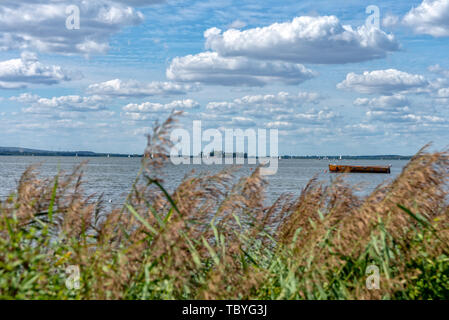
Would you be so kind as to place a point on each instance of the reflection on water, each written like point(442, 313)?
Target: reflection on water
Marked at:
point(114, 176)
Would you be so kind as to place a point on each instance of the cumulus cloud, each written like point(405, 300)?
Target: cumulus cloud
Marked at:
point(403, 115)
point(25, 98)
point(361, 129)
point(279, 124)
point(54, 124)
point(182, 104)
point(281, 98)
point(387, 81)
point(311, 116)
point(54, 105)
point(211, 68)
point(390, 21)
point(296, 121)
point(41, 26)
point(13, 85)
point(305, 39)
point(436, 68)
point(264, 104)
point(242, 121)
point(396, 109)
point(150, 107)
point(237, 24)
point(384, 102)
point(443, 93)
point(144, 111)
point(430, 17)
point(441, 96)
point(19, 73)
point(284, 110)
point(132, 88)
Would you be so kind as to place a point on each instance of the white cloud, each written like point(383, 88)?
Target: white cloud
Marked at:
point(396, 109)
point(443, 93)
point(19, 73)
point(132, 88)
point(284, 110)
point(281, 98)
point(439, 70)
point(311, 116)
point(57, 105)
point(261, 105)
point(41, 26)
point(384, 102)
point(303, 123)
point(361, 128)
point(25, 98)
point(305, 39)
point(237, 24)
point(386, 81)
point(144, 111)
point(54, 124)
point(430, 17)
point(150, 107)
point(182, 104)
point(403, 115)
point(137, 116)
point(390, 21)
point(12, 85)
point(441, 97)
point(211, 68)
point(141, 131)
point(280, 124)
point(243, 121)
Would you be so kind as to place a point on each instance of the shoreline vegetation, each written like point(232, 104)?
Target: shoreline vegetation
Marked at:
point(213, 239)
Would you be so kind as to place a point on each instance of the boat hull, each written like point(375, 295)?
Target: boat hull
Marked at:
point(361, 169)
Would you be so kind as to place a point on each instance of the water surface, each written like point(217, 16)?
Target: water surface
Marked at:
point(114, 176)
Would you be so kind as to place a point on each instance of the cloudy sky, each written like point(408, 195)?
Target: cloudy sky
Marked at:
point(315, 70)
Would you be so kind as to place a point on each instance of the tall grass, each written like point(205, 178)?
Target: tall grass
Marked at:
point(215, 239)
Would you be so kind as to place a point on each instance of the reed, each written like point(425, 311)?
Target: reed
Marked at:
point(213, 238)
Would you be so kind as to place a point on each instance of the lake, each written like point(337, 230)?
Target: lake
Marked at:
point(114, 176)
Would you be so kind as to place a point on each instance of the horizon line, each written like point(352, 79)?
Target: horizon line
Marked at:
point(28, 151)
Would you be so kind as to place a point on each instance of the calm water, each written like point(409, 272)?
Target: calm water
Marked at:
point(114, 176)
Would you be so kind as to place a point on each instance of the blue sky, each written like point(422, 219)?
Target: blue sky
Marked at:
point(312, 69)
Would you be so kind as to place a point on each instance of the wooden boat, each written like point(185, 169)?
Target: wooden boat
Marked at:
point(363, 169)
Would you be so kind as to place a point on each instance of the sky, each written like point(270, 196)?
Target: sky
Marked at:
point(334, 77)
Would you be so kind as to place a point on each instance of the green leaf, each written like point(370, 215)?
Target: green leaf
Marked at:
point(167, 195)
point(211, 252)
point(423, 221)
point(142, 220)
point(53, 198)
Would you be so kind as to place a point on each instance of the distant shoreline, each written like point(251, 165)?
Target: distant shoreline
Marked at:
point(69, 154)
point(99, 155)
point(368, 157)
point(14, 151)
